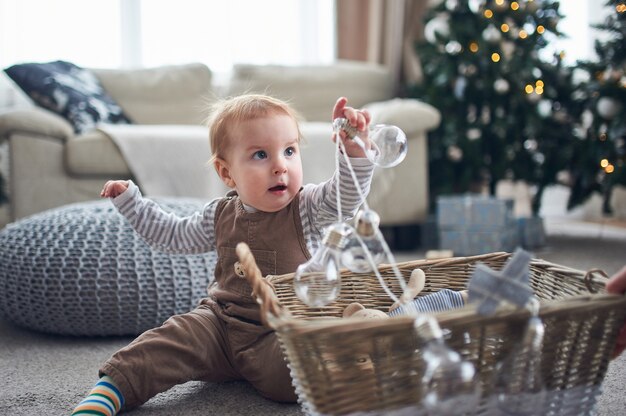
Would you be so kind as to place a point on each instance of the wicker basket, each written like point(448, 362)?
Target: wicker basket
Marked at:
point(344, 366)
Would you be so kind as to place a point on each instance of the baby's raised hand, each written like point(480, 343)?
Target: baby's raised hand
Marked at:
point(112, 189)
point(359, 119)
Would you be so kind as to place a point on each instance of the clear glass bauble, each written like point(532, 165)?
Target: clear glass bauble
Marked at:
point(318, 281)
point(388, 142)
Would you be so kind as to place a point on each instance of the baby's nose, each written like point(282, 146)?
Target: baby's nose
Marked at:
point(280, 167)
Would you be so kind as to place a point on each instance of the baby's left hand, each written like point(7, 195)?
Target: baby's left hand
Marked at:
point(360, 119)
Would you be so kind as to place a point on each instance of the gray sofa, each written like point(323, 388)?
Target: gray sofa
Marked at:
point(51, 166)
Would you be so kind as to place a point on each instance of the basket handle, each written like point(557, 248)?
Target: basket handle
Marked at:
point(262, 290)
point(589, 279)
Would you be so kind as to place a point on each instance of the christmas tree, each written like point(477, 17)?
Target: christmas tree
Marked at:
point(600, 153)
point(506, 101)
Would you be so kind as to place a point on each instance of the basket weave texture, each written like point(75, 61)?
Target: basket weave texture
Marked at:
point(346, 366)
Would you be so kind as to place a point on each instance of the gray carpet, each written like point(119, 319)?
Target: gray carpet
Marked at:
point(48, 375)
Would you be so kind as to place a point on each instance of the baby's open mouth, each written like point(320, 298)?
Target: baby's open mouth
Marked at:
point(278, 188)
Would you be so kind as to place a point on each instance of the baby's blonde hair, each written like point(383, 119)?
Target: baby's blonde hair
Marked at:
point(229, 112)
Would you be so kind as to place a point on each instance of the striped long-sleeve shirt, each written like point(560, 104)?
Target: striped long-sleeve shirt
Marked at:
point(196, 233)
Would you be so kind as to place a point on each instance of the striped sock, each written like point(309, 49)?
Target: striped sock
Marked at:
point(104, 399)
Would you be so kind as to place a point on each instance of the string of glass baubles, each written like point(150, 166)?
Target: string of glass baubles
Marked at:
point(359, 248)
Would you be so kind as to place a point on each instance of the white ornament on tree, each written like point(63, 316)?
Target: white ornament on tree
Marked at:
point(455, 153)
point(459, 87)
point(474, 134)
point(544, 108)
point(608, 108)
point(587, 119)
point(437, 26)
point(507, 47)
point(452, 5)
point(453, 47)
point(476, 5)
point(533, 97)
point(491, 34)
point(501, 86)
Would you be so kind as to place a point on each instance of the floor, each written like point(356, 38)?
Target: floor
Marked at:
point(47, 375)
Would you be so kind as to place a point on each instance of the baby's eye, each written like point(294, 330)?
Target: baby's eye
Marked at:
point(290, 151)
point(260, 154)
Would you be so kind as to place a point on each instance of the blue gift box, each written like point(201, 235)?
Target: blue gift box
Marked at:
point(469, 243)
point(477, 212)
point(531, 232)
point(476, 224)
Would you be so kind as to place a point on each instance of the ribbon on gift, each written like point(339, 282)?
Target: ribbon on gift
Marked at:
point(489, 288)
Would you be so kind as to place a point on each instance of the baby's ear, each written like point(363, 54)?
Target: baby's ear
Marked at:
point(223, 171)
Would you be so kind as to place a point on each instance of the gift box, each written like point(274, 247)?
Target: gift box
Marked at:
point(465, 242)
point(476, 224)
point(531, 232)
point(474, 212)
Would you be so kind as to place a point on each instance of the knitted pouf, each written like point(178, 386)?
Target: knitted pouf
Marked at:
point(82, 270)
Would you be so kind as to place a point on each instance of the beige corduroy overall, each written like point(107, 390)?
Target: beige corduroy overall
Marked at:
point(222, 339)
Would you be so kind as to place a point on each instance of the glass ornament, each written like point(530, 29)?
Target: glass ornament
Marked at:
point(366, 239)
point(389, 143)
point(519, 383)
point(450, 383)
point(318, 281)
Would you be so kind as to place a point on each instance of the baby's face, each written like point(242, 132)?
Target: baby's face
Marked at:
point(264, 162)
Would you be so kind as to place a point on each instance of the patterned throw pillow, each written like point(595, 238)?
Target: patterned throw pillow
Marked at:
point(70, 91)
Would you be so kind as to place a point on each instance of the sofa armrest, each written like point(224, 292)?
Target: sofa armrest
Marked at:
point(412, 116)
point(35, 121)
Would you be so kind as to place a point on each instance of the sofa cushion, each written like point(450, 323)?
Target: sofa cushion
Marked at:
point(176, 94)
point(94, 154)
point(313, 89)
point(68, 90)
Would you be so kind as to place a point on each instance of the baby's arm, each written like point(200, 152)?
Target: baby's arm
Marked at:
point(164, 230)
point(319, 202)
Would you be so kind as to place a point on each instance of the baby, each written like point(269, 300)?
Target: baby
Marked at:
point(255, 141)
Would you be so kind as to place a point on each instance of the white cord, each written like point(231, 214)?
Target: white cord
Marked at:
point(338, 148)
point(392, 261)
point(374, 267)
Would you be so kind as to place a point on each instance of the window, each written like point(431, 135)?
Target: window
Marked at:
point(225, 32)
point(84, 32)
point(579, 39)
point(134, 33)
